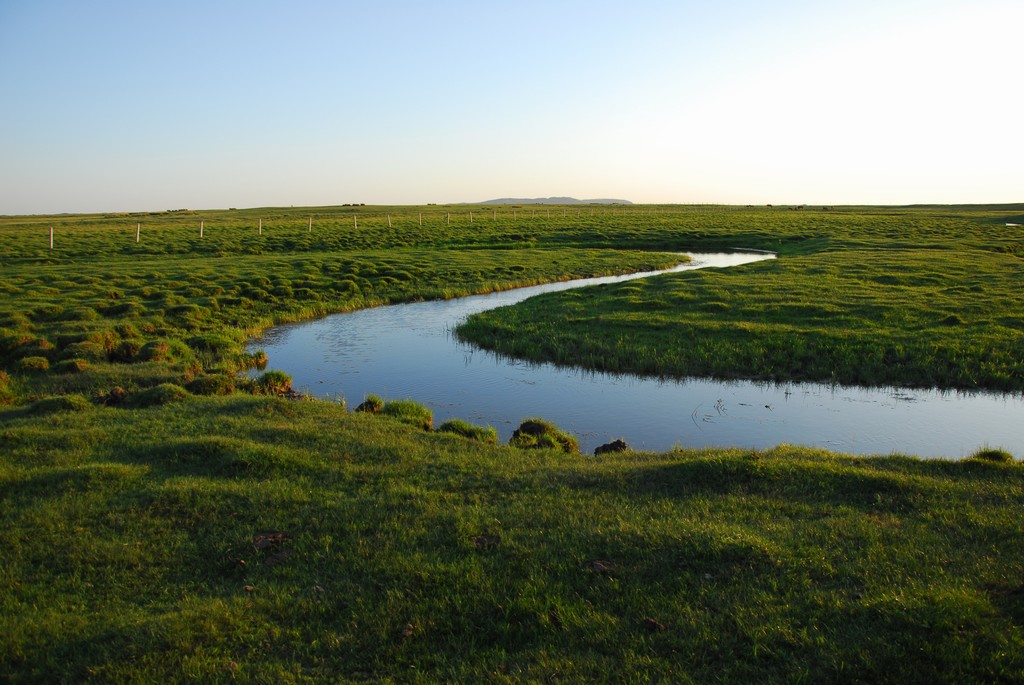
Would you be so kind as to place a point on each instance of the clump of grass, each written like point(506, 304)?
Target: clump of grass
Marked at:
point(273, 382)
point(154, 351)
point(126, 351)
point(992, 454)
point(59, 403)
point(541, 434)
point(113, 397)
point(212, 384)
point(410, 412)
point(486, 434)
point(12, 340)
point(213, 345)
point(88, 350)
point(165, 393)
point(373, 404)
point(6, 391)
point(125, 309)
point(33, 364)
point(165, 351)
point(255, 360)
point(71, 366)
point(80, 314)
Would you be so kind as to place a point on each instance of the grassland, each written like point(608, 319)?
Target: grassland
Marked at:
point(904, 317)
point(161, 520)
point(938, 307)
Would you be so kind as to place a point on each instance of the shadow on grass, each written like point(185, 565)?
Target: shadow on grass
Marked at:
point(811, 483)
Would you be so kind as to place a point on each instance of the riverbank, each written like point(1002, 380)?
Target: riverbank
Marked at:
point(407, 351)
point(935, 318)
point(257, 539)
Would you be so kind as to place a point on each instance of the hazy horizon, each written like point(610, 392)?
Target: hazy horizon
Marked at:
point(124, 106)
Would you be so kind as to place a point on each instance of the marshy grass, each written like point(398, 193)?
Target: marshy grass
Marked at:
point(165, 393)
point(247, 530)
point(992, 454)
point(254, 538)
point(373, 404)
point(410, 412)
point(485, 434)
point(540, 434)
point(272, 382)
point(60, 403)
point(945, 318)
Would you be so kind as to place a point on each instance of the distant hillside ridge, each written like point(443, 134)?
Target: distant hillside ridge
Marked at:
point(551, 201)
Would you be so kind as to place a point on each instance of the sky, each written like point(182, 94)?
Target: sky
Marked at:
point(146, 106)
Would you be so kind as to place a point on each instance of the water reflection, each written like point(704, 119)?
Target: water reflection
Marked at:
point(407, 351)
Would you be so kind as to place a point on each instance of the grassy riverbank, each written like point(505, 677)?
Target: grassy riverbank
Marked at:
point(266, 540)
point(948, 313)
point(159, 522)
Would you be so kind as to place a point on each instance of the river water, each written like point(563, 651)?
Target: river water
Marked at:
point(408, 351)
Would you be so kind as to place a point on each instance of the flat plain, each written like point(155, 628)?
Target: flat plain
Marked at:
point(167, 516)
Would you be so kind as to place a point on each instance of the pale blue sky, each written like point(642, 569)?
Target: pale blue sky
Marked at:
point(122, 106)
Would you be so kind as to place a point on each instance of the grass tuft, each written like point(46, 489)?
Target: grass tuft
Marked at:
point(165, 393)
point(211, 384)
point(33, 364)
point(541, 434)
point(373, 404)
point(60, 403)
point(991, 454)
point(485, 434)
point(273, 382)
point(71, 366)
point(410, 412)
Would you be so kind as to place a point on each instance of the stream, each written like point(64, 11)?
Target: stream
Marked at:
point(408, 351)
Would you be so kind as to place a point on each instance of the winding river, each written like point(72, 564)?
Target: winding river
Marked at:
point(409, 351)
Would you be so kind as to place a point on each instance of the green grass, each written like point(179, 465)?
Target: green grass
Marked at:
point(487, 434)
point(160, 522)
point(403, 555)
point(947, 318)
point(409, 412)
point(540, 434)
point(174, 310)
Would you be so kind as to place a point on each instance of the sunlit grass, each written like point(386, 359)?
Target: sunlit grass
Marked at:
point(157, 524)
point(257, 538)
point(931, 318)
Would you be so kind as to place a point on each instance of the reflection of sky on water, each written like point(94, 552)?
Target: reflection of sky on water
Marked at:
point(407, 351)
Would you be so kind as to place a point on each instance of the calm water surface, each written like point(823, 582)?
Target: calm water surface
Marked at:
point(408, 351)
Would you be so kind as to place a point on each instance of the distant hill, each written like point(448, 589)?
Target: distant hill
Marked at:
point(551, 201)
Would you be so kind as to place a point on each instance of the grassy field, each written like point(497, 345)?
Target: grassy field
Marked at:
point(939, 307)
point(257, 539)
point(165, 518)
point(100, 311)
